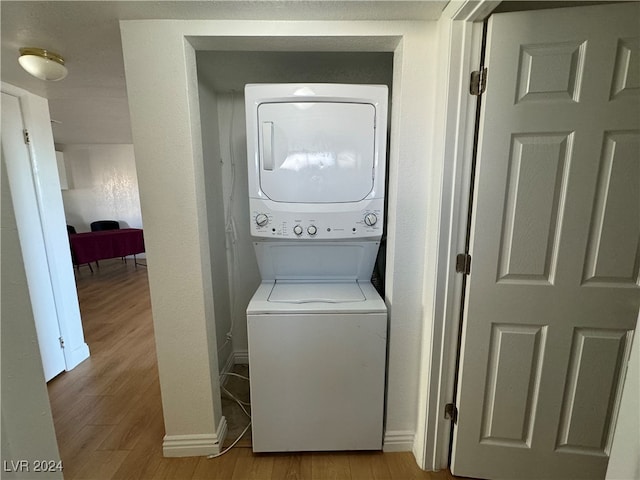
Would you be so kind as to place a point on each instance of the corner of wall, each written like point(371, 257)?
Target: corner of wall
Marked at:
point(195, 445)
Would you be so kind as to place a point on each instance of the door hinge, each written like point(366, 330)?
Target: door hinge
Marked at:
point(451, 412)
point(61, 342)
point(25, 134)
point(463, 263)
point(478, 82)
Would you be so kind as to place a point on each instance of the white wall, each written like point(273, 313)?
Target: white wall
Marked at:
point(102, 185)
point(414, 197)
point(169, 159)
point(244, 275)
point(168, 145)
point(216, 194)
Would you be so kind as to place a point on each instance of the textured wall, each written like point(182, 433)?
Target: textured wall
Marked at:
point(102, 185)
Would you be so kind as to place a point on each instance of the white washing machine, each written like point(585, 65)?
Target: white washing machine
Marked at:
point(317, 328)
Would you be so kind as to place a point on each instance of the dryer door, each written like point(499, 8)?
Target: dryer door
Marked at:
point(316, 152)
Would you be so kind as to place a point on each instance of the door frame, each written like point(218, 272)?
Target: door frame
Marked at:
point(460, 44)
point(50, 220)
point(460, 36)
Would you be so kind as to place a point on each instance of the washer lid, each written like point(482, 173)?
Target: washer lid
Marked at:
point(316, 292)
point(261, 305)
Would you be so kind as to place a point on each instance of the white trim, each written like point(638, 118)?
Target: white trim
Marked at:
point(14, 91)
point(198, 444)
point(398, 441)
point(470, 10)
point(241, 357)
point(460, 45)
point(49, 214)
point(76, 356)
point(221, 432)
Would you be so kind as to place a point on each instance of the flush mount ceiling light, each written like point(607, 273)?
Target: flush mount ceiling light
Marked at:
point(42, 64)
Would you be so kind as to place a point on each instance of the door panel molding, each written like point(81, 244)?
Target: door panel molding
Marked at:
point(598, 357)
point(613, 248)
point(513, 386)
point(551, 72)
point(536, 191)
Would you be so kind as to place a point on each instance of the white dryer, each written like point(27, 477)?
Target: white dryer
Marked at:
point(317, 329)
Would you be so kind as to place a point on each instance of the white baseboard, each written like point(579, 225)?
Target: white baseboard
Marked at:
point(73, 358)
point(241, 357)
point(398, 441)
point(196, 445)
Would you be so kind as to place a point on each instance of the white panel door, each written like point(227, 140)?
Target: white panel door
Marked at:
point(553, 294)
point(23, 192)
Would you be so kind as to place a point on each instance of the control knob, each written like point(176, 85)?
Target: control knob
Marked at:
point(297, 230)
point(262, 219)
point(370, 219)
point(312, 230)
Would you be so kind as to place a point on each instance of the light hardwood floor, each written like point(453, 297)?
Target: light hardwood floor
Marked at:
point(108, 414)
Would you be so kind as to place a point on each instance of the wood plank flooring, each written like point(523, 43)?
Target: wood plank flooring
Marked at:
point(108, 414)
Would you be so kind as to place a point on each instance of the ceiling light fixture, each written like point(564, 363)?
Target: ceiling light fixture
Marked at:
point(42, 64)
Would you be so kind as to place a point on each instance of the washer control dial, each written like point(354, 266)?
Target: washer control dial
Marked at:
point(262, 219)
point(312, 230)
point(370, 219)
point(297, 230)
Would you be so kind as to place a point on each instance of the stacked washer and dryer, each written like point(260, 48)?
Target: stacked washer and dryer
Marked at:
point(317, 328)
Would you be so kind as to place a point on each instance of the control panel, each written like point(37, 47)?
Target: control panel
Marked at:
point(319, 225)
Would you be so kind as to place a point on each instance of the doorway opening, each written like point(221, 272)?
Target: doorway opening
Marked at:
point(222, 76)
